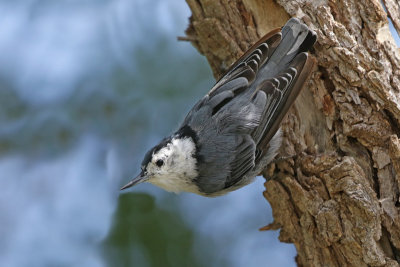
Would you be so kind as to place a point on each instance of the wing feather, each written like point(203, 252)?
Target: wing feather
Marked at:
point(242, 112)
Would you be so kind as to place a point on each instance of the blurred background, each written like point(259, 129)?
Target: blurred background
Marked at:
point(86, 88)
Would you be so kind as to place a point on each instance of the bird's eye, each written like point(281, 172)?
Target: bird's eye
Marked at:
point(159, 162)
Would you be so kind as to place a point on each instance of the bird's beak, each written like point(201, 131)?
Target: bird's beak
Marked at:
point(137, 180)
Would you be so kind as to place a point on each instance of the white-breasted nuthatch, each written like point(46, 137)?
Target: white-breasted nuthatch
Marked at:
point(232, 133)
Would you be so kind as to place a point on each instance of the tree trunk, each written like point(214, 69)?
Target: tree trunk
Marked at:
point(336, 195)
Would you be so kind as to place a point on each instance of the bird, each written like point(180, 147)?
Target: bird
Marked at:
point(233, 132)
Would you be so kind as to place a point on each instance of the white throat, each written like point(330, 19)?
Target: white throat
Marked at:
point(179, 168)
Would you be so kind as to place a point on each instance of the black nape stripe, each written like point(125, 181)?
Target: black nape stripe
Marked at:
point(187, 131)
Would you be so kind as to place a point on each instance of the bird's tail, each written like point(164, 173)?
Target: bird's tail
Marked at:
point(283, 74)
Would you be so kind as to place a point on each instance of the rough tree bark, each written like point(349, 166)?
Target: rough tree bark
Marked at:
point(337, 196)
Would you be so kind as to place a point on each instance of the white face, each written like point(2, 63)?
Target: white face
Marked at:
point(173, 167)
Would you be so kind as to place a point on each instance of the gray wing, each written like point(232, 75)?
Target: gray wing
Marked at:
point(235, 121)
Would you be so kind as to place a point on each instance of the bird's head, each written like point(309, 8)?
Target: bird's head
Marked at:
point(170, 165)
